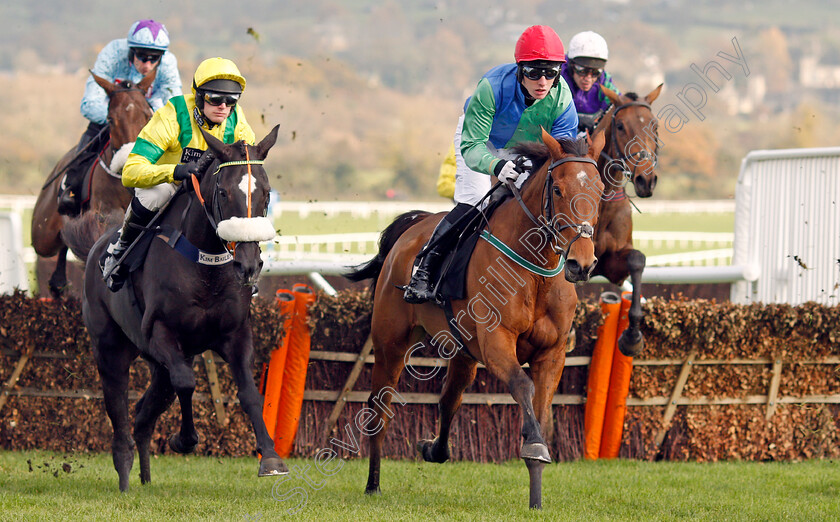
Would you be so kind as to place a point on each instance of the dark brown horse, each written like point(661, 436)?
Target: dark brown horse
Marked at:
point(629, 156)
point(128, 112)
point(513, 313)
point(183, 300)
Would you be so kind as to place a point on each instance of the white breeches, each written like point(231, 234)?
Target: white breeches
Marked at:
point(153, 198)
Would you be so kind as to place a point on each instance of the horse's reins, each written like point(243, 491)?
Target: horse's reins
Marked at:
point(113, 149)
point(202, 165)
point(105, 128)
point(76, 156)
point(546, 226)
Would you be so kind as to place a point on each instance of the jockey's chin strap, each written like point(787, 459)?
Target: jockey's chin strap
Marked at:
point(637, 157)
point(549, 229)
point(216, 217)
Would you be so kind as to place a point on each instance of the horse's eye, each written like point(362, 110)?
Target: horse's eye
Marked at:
point(619, 126)
point(223, 193)
point(557, 192)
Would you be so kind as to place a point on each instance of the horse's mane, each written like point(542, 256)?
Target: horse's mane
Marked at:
point(537, 151)
point(632, 95)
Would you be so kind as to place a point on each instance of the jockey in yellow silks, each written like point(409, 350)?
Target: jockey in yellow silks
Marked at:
point(168, 147)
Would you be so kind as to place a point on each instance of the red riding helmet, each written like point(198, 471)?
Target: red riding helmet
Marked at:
point(539, 42)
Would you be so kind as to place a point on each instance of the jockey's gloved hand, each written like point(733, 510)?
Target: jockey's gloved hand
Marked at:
point(506, 171)
point(184, 170)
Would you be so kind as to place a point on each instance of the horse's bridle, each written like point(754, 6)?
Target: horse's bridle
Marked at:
point(88, 145)
point(615, 150)
point(214, 213)
point(124, 86)
point(547, 225)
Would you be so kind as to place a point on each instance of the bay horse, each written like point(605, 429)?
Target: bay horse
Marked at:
point(523, 316)
point(630, 156)
point(128, 112)
point(185, 299)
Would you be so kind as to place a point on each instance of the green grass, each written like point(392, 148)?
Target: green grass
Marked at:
point(204, 488)
point(291, 224)
point(723, 222)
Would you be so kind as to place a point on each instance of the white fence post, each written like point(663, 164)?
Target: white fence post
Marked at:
point(12, 266)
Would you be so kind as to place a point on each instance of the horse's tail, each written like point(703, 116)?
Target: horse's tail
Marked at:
point(79, 234)
point(371, 269)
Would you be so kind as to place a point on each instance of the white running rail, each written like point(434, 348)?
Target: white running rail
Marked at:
point(392, 208)
point(332, 253)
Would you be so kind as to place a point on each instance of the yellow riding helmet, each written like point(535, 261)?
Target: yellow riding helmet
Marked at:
point(218, 75)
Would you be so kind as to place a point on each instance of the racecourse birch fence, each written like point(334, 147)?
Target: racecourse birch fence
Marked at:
point(716, 381)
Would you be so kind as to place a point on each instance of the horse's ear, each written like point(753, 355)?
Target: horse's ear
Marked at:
point(654, 94)
point(147, 80)
point(214, 143)
point(268, 142)
point(596, 145)
point(109, 87)
point(554, 147)
point(611, 94)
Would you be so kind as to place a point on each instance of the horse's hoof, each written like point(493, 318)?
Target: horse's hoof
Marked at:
point(535, 451)
point(272, 466)
point(176, 446)
point(57, 289)
point(372, 490)
point(429, 450)
point(631, 344)
point(571, 341)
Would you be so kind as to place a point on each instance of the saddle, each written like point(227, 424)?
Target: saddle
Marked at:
point(452, 280)
point(87, 164)
point(79, 173)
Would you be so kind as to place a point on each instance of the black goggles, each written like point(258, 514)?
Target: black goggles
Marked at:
point(147, 57)
point(580, 70)
point(214, 99)
point(535, 73)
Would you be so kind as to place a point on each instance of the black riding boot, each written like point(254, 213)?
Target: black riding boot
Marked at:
point(69, 200)
point(421, 289)
point(136, 218)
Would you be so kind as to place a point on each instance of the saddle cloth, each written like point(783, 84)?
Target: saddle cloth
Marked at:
point(452, 281)
point(135, 258)
point(86, 164)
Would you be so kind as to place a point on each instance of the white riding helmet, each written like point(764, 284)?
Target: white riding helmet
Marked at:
point(588, 49)
point(148, 34)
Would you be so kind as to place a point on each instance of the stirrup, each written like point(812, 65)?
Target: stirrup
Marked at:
point(411, 296)
point(114, 271)
point(415, 295)
point(116, 279)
